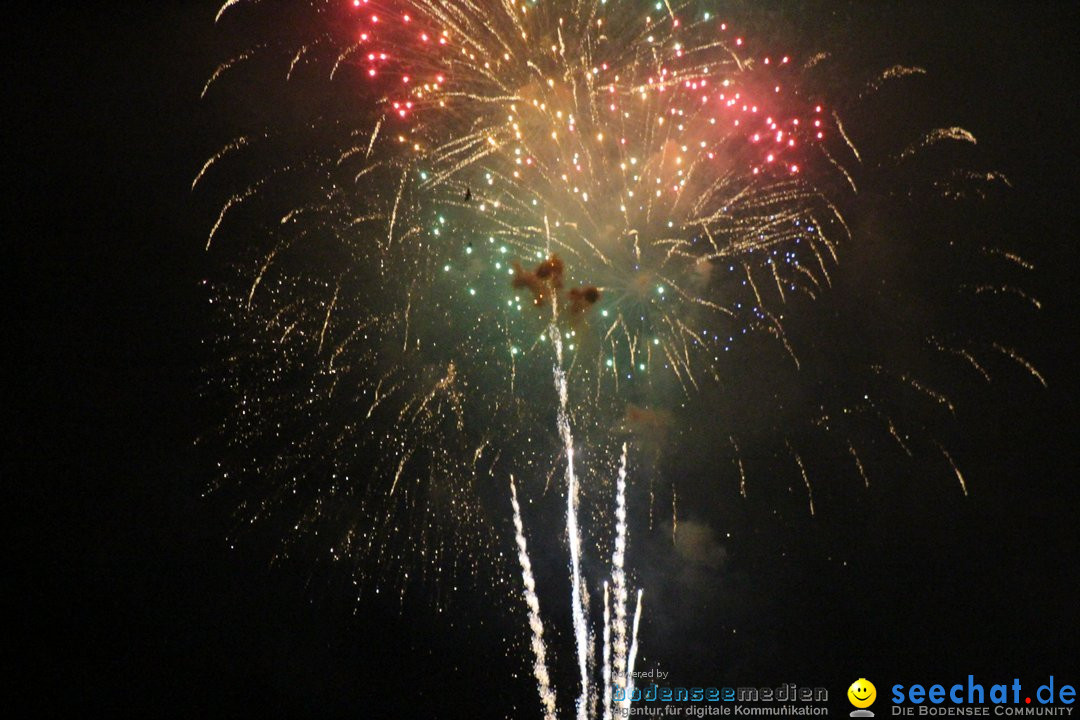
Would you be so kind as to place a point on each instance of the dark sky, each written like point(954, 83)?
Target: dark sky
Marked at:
point(127, 597)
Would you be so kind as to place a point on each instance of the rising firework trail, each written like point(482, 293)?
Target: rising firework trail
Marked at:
point(536, 624)
point(623, 665)
point(581, 626)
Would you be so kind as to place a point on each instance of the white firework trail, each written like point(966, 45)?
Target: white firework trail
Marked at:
point(624, 666)
point(226, 6)
point(536, 625)
point(234, 145)
point(618, 577)
point(937, 135)
point(225, 67)
point(607, 653)
point(1023, 362)
point(581, 625)
point(633, 657)
point(620, 670)
point(955, 469)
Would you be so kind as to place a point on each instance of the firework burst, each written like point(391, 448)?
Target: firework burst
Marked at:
point(675, 193)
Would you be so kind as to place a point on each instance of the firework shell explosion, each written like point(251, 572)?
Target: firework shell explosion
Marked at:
point(430, 185)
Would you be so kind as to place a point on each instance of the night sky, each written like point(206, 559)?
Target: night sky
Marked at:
point(127, 597)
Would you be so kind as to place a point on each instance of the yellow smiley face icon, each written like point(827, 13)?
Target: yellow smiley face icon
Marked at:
point(862, 693)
